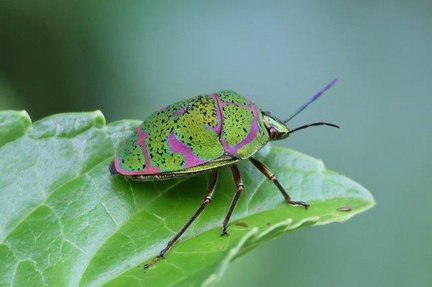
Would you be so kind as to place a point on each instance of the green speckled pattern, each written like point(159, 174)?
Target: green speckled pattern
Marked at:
point(243, 132)
point(191, 121)
point(131, 154)
point(201, 133)
point(236, 124)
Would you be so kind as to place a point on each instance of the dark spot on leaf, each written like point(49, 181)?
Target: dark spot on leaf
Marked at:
point(241, 224)
point(344, 209)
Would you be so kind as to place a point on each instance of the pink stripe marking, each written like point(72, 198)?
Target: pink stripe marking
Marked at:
point(142, 137)
point(191, 160)
point(141, 141)
point(118, 168)
point(180, 112)
point(218, 128)
point(253, 129)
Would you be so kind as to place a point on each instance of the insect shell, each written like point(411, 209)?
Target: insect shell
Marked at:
point(196, 135)
point(202, 134)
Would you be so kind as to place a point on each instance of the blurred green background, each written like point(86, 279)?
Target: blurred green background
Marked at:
point(129, 58)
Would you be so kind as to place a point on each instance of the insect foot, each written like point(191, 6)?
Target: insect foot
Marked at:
point(225, 232)
point(200, 134)
point(302, 203)
point(157, 258)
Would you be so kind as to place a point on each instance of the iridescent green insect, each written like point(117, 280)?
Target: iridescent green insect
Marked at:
point(203, 134)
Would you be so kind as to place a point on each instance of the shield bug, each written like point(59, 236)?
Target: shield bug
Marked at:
point(203, 134)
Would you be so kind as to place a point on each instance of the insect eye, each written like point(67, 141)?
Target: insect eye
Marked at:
point(273, 133)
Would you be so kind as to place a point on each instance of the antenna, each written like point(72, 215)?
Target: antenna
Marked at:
point(301, 108)
point(312, 125)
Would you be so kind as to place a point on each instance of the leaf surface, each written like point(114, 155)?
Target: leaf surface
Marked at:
point(65, 221)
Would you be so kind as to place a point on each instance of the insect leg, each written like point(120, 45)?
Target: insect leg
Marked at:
point(267, 172)
point(239, 184)
point(203, 205)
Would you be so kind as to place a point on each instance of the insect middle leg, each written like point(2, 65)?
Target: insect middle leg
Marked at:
point(267, 172)
point(239, 184)
point(176, 237)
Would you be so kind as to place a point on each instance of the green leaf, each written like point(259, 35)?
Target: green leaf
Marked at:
point(66, 221)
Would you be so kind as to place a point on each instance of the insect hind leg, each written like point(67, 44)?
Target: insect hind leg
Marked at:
point(267, 172)
point(175, 238)
point(239, 185)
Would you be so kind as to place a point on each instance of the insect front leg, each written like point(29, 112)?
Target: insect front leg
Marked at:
point(239, 184)
point(176, 237)
point(267, 172)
